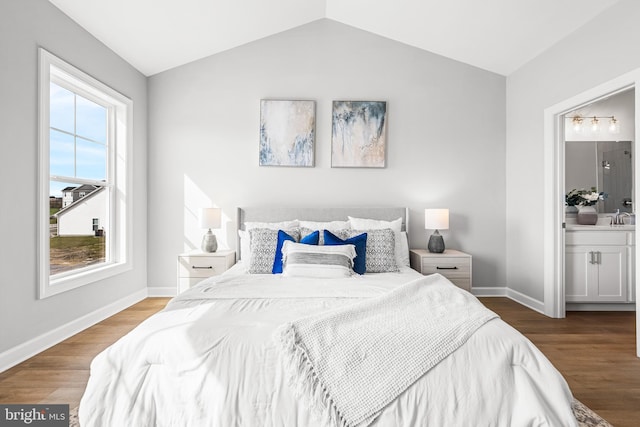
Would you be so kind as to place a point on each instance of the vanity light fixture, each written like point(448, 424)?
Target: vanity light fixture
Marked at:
point(577, 123)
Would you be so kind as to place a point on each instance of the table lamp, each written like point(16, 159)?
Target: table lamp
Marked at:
point(209, 218)
point(436, 219)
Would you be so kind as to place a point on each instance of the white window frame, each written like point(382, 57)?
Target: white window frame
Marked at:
point(120, 154)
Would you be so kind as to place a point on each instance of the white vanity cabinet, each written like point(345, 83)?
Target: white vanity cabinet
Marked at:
point(598, 266)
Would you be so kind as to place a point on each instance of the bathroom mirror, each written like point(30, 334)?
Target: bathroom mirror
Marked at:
point(606, 165)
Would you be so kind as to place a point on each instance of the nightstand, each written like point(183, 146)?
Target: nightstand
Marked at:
point(452, 264)
point(196, 266)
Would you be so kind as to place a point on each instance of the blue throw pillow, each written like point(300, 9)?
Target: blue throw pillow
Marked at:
point(359, 241)
point(311, 239)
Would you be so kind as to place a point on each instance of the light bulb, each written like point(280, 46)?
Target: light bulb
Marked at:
point(577, 124)
point(614, 125)
point(595, 125)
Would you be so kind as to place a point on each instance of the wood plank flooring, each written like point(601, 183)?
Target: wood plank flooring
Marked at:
point(595, 351)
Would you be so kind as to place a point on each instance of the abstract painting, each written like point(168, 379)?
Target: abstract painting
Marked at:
point(358, 135)
point(287, 132)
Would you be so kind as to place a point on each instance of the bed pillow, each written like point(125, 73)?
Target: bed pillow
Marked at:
point(360, 243)
point(307, 227)
point(401, 250)
point(325, 225)
point(309, 239)
point(245, 239)
point(263, 244)
point(325, 262)
point(380, 250)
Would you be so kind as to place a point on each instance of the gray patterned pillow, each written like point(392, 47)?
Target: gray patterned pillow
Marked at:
point(262, 243)
point(381, 249)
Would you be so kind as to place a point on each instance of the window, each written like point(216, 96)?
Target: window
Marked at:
point(84, 147)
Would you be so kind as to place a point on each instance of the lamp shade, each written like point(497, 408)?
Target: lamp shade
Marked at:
point(210, 217)
point(436, 219)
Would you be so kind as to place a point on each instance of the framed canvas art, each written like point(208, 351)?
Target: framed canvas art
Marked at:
point(287, 133)
point(358, 134)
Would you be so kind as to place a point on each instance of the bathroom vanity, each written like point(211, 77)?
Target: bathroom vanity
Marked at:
point(599, 263)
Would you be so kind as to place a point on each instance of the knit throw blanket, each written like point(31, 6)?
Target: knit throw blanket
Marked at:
point(349, 363)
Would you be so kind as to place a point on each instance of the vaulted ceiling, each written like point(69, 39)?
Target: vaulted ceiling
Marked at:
point(495, 35)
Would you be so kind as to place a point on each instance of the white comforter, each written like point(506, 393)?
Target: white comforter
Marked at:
point(209, 359)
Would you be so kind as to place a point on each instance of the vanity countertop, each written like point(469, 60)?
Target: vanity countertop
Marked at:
point(600, 227)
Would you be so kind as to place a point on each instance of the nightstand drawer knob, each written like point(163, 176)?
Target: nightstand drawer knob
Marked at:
point(196, 267)
point(447, 268)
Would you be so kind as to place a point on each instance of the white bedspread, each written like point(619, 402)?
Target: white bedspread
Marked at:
point(353, 361)
point(208, 359)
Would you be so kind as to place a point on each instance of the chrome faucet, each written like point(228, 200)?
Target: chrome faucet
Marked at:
point(618, 219)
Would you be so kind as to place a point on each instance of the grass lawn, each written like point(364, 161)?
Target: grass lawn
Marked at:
point(71, 252)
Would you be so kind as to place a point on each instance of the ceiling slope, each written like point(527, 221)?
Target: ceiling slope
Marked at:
point(495, 35)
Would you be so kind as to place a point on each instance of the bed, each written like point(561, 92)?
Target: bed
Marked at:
point(319, 344)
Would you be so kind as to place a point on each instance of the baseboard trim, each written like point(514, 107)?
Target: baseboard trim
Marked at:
point(24, 351)
point(516, 296)
point(578, 306)
point(162, 291)
point(526, 300)
point(489, 292)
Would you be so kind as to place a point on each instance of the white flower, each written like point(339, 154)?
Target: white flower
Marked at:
point(591, 196)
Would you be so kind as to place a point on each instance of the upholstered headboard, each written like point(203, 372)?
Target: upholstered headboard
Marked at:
point(277, 214)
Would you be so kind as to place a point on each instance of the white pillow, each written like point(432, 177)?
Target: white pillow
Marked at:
point(283, 225)
point(325, 225)
point(245, 240)
point(327, 262)
point(402, 246)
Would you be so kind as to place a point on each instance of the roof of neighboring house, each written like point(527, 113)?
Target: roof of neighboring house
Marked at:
point(66, 209)
point(83, 187)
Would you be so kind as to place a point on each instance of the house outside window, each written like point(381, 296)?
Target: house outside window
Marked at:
point(84, 148)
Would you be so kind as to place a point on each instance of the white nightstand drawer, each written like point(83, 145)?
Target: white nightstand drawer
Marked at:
point(452, 264)
point(201, 266)
point(449, 267)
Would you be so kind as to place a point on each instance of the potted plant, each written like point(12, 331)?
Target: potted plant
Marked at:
point(584, 201)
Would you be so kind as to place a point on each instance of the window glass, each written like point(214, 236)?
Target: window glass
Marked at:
point(74, 242)
point(61, 113)
point(61, 153)
point(91, 160)
point(91, 120)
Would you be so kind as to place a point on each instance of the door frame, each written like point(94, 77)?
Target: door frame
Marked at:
point(554, 295)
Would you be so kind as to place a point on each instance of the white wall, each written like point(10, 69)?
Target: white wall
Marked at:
point(564, 71)
point(446, 141)
point(26, 25)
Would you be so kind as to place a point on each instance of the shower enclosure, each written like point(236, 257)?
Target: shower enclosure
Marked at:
point(605, 165)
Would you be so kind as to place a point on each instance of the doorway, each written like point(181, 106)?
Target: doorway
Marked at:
point(554, 212)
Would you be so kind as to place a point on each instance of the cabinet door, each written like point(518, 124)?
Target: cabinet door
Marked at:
point(579, 273)
point(611, 285)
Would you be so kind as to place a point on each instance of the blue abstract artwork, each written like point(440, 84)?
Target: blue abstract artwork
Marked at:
point(358, 135)
point(287, 133)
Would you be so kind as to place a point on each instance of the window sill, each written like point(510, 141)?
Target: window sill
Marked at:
point(81, 278)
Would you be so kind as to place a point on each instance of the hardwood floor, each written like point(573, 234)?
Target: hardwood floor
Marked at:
point(59, 374)
point(595, 352)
